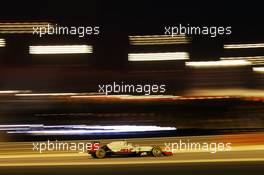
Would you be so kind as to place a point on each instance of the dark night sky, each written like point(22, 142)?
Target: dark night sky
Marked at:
point(136, 12)
point(118, 19)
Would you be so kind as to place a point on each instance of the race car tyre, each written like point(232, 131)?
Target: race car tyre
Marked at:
point(156, 151)
point(100, 153)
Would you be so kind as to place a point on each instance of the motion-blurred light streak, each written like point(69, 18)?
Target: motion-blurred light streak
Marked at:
point(14, 91)
point(235, 92)
point(221, 63)
point(127, 96)
point(255, 60)
point(28, 94)
point(20, 27)
point(166, 56)
point(243, 46)
point(46, 94)
point(78, 129)
point(158, 40)
point(258, 69)
point(2, 42)
point(60, 49)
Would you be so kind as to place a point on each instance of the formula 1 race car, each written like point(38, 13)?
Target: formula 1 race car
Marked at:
point(122, 148)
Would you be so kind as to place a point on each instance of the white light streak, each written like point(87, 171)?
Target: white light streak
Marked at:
point(258, 69)
point(2, 42)
point(21, 27)
point(243, 46)
point(166, 56)
point(79, 129)
point(60, 49)
point(221, 63)
point(158, 40)
point(255, 60)
point(14, 91)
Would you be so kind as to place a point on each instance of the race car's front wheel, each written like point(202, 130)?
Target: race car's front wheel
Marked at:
point(100, 153)
point(156, 151)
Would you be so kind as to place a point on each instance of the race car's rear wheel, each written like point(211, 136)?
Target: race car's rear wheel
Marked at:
point(100, 153)
point(156, 151)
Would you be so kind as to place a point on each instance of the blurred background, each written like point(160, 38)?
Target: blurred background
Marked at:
point(39, 89)
point(49, 85)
